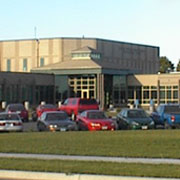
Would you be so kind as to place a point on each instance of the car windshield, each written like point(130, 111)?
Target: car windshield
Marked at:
point(96, 115)
point(9, 117)
point(56, 116)
point(48, 106)
point(87, 101)
point(137, 114)
point(172, 109)
point(16, 107)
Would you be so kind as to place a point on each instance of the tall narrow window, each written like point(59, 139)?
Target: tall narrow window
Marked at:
point(8, 65)
point(24, 64)
point(41, 62)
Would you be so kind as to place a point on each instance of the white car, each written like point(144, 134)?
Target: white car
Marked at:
point(10, 122)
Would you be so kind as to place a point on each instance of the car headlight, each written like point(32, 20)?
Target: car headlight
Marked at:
point(53, 126)
point(135, 123)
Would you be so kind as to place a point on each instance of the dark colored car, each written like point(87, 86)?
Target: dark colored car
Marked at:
point(134, 119)
point(74, 106)
point(19, 109)
point(94, 120)
point(43, 108)
point(55, 121)
point(167, 115)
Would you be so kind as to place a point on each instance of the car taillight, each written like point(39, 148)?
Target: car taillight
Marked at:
point(172, 118)
point(17, 124)
point(2, 124)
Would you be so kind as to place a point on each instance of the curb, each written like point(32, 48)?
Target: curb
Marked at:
point(25, 175)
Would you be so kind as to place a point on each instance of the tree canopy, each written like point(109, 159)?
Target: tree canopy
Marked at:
point(178, 66)
point(165, 65)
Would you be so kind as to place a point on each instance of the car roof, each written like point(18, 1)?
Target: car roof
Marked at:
point(53, 112)
point(93, 110)
point(136, 109)
point(15, 104)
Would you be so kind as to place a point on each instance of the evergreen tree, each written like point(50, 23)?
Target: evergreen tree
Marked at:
point(165, 65)
point(178, 66)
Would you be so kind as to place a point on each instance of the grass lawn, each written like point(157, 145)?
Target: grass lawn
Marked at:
point(105, 168)
point(150, 143)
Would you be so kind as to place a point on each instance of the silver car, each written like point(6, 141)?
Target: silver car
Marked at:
point(10, 122)
point(55, 121)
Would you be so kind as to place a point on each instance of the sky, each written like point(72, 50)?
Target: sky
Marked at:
point(149, 22)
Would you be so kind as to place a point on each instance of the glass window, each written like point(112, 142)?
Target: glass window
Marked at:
point(168, 94)
point(175, 94)
point(8, 65)
point(162, 94)
point(41, 62)
point(24, 64)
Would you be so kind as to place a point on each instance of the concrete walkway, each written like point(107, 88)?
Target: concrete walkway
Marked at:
point(93, 158)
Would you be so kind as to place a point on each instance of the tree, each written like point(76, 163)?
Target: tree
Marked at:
point(178, 66)
point(165, 65)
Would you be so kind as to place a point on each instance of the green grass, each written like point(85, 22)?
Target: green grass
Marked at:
point(105, 168)
point(151, 143)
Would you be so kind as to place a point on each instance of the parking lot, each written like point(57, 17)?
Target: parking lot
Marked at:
point(29, 126)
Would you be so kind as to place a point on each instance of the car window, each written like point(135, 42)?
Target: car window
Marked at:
point(74, 102)
point(16, 107)
point(172, 109)
point(9, 117)
point(87, 101)
point(96, 115)
point(137, 114)
point(66, 102)
point(83, 114)
point(48, 106)
point(56, 116)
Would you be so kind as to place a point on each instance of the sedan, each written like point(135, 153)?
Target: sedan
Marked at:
point(134, 119)
point(55, 121)
point(10, 122)
point(94, 120)
point(19, 109)
point(42, 108)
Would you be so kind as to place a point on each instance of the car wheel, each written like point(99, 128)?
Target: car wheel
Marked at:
point(39, 127)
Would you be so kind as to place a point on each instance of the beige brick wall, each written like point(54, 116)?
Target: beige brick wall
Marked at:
point(53, 50)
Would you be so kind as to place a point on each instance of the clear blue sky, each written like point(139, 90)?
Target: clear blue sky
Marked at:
point(151, 22)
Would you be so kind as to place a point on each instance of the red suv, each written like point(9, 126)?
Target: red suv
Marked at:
point(73, 106)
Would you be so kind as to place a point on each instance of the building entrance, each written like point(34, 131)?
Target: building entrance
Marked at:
point(83, 86)
point(85, 93)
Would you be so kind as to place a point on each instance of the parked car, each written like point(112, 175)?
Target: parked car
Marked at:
point(167, 115)
point(19, 109)
point(55, 121)
point(10, 122)
point(134, 119)
point(42, 108)
point(94, 120)
point(73, 106)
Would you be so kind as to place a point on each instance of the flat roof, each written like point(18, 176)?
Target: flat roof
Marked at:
point(86, 38)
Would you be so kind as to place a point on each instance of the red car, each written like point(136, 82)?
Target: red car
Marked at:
point(19, 109)
point(94, 120)
point(74, 106)
point(42, 108)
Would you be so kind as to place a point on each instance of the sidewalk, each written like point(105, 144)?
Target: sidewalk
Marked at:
point(93, 158)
